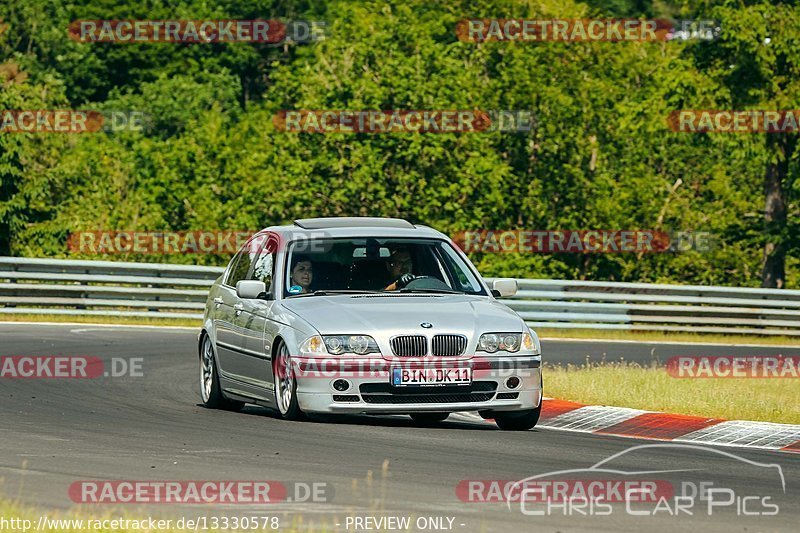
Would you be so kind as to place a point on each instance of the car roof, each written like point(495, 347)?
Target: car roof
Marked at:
point(350, 222)
point(355, 227)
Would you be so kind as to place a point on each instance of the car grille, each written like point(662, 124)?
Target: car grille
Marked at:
point(409, 345)
point(430, 398)
point(448, 345)
point(383, 393)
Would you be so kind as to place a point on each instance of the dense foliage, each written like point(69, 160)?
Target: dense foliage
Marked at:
point(600, 156)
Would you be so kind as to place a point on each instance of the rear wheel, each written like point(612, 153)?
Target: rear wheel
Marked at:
point(518, 420)
point(210, 390)
point(286, 385)
point(429, 418)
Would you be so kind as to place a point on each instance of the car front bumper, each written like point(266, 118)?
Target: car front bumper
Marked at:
point(370, 391)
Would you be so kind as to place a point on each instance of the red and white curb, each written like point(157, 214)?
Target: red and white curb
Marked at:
point(636, 423)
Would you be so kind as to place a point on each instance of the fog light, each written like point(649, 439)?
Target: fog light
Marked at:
point(512, 382)
point(341, 385)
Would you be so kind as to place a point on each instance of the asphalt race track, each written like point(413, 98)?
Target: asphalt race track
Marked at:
point(59, 431)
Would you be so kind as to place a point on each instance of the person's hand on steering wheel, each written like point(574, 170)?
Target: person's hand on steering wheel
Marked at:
point(402, 282)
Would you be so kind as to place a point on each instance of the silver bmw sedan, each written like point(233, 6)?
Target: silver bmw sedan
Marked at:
point(366, 315)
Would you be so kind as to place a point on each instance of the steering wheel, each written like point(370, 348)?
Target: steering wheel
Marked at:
point(427, 282)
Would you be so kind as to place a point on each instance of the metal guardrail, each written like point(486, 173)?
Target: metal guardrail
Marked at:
point(108, 288)
point(656, 307)
point(103, 288)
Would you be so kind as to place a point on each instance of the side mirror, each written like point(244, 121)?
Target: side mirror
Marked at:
point(504, 287)
point(250, 289)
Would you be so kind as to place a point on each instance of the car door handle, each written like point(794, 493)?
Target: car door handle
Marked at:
point(238, 308)
point(218, 300)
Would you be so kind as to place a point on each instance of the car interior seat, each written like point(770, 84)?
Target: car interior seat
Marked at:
point(368, 274)
point(329, 275)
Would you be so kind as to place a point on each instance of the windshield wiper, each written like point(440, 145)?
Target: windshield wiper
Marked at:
point(327, 292)
point(437, 291)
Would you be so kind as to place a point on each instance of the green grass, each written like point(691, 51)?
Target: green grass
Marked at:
point(665, 336)
point(651, 388)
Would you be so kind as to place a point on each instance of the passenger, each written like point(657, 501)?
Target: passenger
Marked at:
point(302, 274)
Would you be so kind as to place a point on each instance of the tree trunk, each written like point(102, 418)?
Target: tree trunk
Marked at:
point(780, 147)
point(7, 191)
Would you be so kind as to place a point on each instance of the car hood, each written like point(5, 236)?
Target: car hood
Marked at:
point(385, 315)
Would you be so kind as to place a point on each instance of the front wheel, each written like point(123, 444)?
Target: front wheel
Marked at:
point(518, 420)
point(210, 390)
point(286, 385)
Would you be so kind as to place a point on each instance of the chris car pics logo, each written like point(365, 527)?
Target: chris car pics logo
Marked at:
point(612, 486)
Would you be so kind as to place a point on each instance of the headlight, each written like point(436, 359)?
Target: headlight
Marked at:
point(335, 345)
point(510, 343)
point(492, 342)
point(357, 344)
point(489, 342)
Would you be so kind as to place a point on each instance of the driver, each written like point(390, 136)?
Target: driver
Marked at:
point(399, 266)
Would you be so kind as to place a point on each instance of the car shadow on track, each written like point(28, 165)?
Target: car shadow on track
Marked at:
point(403, 421)
point(400, 421)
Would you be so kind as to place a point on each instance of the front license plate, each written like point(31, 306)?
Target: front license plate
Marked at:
point(402, 377)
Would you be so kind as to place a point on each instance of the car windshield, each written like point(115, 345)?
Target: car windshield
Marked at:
point(327, 266)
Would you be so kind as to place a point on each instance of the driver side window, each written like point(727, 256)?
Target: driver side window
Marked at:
point(265, 265)
point(232, 269)
point(242, 264)
point(240, 270)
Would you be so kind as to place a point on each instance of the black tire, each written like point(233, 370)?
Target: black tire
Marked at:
point(291, 411)
point(518, 420)
point(429, 418)
point(215, 398)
